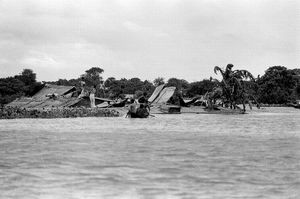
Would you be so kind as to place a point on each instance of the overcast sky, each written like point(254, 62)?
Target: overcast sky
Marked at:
point(147, 39)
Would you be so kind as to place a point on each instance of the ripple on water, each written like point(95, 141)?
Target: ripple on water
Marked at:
point(170, 156)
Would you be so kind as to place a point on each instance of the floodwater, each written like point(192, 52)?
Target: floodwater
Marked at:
point(256, 155)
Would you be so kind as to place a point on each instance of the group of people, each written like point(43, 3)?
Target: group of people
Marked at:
point(139, 108)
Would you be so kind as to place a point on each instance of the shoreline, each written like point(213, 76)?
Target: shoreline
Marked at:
point(274, 105)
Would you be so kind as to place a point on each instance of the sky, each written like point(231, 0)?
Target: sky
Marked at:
point(61, 39)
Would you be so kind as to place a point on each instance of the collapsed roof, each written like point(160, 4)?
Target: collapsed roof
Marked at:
point(53, 96)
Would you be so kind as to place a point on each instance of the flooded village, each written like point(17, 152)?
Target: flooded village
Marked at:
point(149, 99)
point(230, 95)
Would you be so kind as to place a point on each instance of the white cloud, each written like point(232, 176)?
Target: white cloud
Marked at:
point(147, 39)
point(35, 58)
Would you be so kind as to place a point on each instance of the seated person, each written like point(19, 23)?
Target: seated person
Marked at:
point(143, 99)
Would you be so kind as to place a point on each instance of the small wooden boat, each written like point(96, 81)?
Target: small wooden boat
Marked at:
point(140, 113)
point(297, 106)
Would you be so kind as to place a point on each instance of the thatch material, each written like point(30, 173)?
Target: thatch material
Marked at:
point(164, 95)
point(53, 89)
point(51, 96)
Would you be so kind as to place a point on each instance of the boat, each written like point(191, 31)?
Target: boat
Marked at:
point(141, 112)
point(297, 104)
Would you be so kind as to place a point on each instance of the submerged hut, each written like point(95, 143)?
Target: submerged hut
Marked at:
point(54, 96)
point(55, 101)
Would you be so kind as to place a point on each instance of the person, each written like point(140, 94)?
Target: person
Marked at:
point(82, 85)
point(92, 96)
point(142, 99)
point(142, 111)
point(132, 108)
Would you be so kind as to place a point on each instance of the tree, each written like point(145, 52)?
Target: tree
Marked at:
point(109, 81)
point(158, 81)
point(92, 77)
point(20, 85)
point(201, 87)
point(297, 91)
point(277, 85)
point(148, 87)
point(296, 76)
point(180, 84)
point(27, 76)
point(127, 86)
point(233, 86)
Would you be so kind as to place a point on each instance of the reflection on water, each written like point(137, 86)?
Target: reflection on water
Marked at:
point(256, 155)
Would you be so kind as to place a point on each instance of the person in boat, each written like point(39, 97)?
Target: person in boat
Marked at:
point(92, 96)
point(140, 110)
point(143, 101)
point(132, 108)
point(143, 111)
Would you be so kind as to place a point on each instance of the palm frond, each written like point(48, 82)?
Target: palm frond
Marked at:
point(243, 74)
point(218, 69)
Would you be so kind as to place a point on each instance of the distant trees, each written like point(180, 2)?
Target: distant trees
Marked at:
point(24, 84)
point(180, 84)
point(158, 81)
point(27, 76)
point(93, 76)
point(10, 89)
point(278, 85)
point(123, 86)
point(111, 87)
point(201, 87)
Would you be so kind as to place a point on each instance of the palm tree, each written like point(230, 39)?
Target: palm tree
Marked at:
point(232, 84)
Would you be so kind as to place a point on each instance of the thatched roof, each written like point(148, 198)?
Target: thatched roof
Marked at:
point(51, 89)
point(54, 96)
point(42, 100)
point(164, 95)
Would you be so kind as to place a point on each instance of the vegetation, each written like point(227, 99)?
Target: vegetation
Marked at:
point(232, 87)
point(278, 85)
point(15, 112)
point(159, 81)
point(24, 84)
point(201, 87)
point(118, 88)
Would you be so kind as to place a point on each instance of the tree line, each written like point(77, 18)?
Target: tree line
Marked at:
point(24, 84)
point(278, 85)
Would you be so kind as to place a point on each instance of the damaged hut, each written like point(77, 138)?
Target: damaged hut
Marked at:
point(54, 96)
point(55, 101)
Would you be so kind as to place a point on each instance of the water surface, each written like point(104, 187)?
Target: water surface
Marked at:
point(256, 155)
